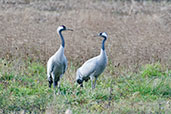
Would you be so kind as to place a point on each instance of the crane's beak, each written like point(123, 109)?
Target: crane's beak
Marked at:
point(96, 35)
point(69, 29)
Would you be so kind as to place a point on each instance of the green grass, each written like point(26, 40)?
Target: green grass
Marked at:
point(24, 87)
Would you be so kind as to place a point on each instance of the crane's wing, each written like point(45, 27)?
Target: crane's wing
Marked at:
point(88, 67)
point(65, 65)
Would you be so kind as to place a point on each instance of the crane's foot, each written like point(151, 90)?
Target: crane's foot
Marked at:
point(54, 92)
point(59, 92)
point(93, 87)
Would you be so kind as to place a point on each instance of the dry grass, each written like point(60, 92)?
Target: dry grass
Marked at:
point(139, 33)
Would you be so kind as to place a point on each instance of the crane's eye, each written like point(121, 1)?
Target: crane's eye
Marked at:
point(100, 34)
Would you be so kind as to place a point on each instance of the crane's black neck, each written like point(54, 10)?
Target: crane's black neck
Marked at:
point(62, 38)
point(103, 43)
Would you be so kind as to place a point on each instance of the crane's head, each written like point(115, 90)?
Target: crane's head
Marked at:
point(103, 34)
point(63, 28)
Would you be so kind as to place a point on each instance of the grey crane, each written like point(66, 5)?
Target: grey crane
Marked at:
point(57, 64)
point(93, 67)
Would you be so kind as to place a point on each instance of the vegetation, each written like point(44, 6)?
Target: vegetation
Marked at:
point(137, 76)
point(148, 91)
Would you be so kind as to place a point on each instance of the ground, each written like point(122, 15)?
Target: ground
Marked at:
point(138, 49)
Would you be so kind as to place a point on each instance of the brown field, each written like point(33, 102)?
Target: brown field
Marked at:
point(138, 32)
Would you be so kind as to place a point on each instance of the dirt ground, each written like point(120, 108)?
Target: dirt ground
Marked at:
point(139, 32)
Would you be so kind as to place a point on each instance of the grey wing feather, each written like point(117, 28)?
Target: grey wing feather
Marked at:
point(65, 64)
point(88, 67)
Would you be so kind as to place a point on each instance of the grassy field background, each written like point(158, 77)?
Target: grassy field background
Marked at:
point(136, 80)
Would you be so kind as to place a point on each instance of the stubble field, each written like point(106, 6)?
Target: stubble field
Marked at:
point(136, 80)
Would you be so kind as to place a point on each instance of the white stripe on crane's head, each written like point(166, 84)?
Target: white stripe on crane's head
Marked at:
point(60, 28)
point(103, 34)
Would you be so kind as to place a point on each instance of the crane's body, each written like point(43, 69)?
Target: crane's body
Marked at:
point(93, 67)
point(57, 64)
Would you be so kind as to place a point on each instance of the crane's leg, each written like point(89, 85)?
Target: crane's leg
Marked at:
point(91, 77)
point(59, 91)
point(95, 82)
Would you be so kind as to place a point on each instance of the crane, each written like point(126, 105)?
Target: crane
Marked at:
point(92, 68)
point(57, 64)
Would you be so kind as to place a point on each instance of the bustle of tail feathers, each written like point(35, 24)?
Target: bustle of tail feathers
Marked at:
point(50, 80)
point(79, 75)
